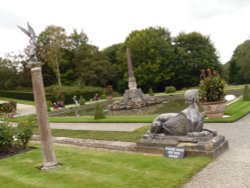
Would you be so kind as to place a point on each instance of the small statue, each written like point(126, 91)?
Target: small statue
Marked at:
point(75, 100)
point(187, 121)
point(31, 49)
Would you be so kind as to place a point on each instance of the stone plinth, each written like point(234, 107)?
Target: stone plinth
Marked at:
point(210, 145)
point(133, 99)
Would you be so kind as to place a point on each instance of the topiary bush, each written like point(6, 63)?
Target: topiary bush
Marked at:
point(170, 89)
point(82, 101)
point(150, 92)
point(246, 93)
point(99, 112)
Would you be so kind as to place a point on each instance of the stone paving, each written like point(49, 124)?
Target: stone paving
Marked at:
point(232, 168)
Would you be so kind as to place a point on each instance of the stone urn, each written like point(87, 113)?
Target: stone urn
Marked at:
point(214, 109)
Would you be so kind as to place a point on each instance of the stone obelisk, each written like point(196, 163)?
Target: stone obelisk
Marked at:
point(131, 78)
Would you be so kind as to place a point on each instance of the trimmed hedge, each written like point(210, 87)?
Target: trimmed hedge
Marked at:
point(52, 92)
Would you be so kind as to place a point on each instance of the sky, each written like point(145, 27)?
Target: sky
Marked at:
point(108, 22)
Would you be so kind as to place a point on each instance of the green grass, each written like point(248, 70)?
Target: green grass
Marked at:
point(17, 100)
point(98, 169)
point(101, 135)
point(236, 111)
point(108, 119)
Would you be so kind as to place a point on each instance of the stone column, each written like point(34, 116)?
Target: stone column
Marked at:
point(49, 158)
point(131, 78)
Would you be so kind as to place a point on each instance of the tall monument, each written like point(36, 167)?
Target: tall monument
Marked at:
point(131, 78)
point(49, 158)
point(133, 97)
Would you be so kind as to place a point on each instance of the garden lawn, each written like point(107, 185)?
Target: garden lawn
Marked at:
point(98, 169)
point(134, 136)
point(108, 119)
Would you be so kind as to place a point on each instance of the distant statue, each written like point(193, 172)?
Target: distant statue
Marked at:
point(75, 100)
point(31, 49)
point(187, 121)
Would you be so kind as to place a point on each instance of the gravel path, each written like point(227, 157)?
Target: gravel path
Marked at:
point(231, 169)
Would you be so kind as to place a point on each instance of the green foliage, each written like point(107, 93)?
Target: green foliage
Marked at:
point(170, 89)
point(51, 43)
point(99, 112)
point(239, 70)
point(24, 131)
point(87, 92)
point(49, 105)
point(151, 92)
point(11, 136)
point(152, 55)
point(7, 134)
point(193, 51)
point(82, 101)
point(211, 88)
point(246, 93)
point(8, 107)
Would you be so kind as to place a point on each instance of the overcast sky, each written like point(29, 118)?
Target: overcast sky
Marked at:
point(107, 22)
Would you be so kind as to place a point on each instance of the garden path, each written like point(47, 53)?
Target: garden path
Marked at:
point(232, 168)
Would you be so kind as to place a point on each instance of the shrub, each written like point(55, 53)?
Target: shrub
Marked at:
point(150, 92)
point(211, 87)
point(82, 101)
point(246, 93)
point(7, 135)
point(8, 107)
point(70, 91)
point(99, 112)
point(15, 137)
point(170, 89)
point(24, 131)
point(49, 105)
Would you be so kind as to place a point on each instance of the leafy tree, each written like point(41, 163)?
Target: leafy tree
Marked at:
point(51, 43)
point(193, 53)
point(8, 75)
point(91, 66)
point(239, 65)
point(115, 56)
point(152, 55)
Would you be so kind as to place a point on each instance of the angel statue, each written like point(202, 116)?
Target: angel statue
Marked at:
point(31, 49)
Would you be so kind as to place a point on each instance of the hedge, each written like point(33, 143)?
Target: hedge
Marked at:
point(51, 93)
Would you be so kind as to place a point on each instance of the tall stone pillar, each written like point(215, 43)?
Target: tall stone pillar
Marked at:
point(49, 158)
point(131, 78)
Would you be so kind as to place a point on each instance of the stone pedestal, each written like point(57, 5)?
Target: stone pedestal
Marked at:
point(210, 145)
point(133, 99)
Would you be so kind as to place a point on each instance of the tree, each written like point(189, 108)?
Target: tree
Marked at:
point(51, 43)
point(115, 56)
point(152, 56)
point(91, 66)
point(8, 75)
point(193, 53)
point(239, 65)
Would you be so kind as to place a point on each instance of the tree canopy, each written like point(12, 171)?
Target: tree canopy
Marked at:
point(239, 65)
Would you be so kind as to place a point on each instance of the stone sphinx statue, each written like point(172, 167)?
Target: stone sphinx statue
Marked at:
point(187, 122)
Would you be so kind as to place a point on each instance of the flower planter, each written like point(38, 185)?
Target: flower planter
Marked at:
point(214, 109)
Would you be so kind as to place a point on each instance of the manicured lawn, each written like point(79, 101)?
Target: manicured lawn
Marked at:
point(101, 135)
point(98, 169)
point(108, 119)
